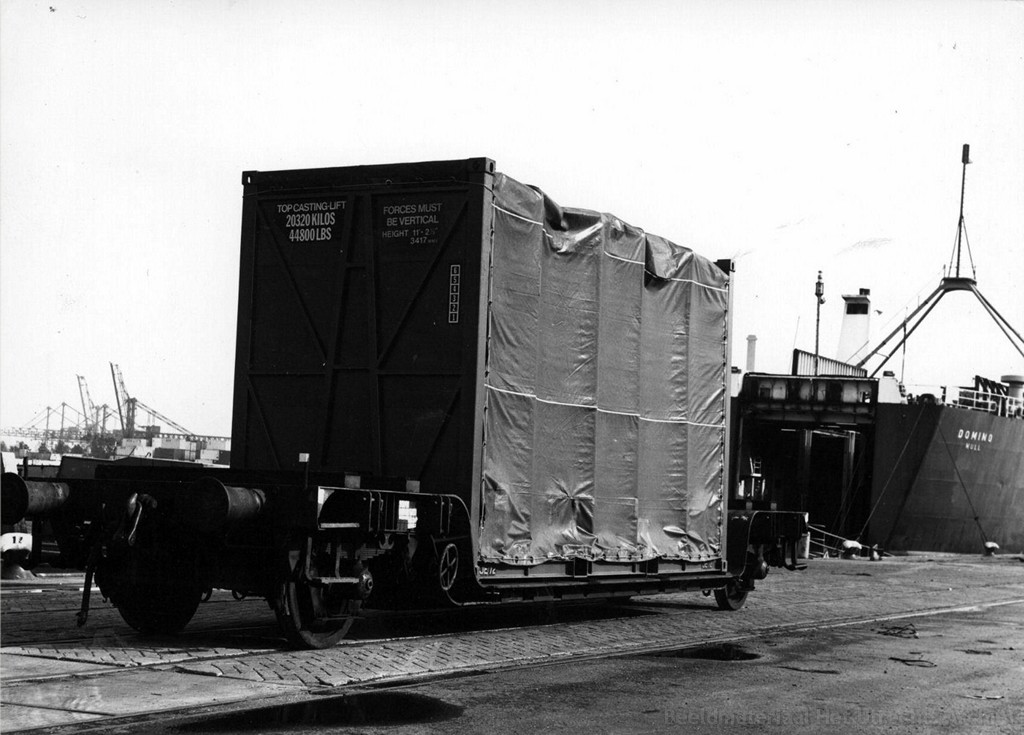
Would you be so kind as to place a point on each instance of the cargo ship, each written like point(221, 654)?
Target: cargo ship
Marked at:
point(949, 476)
point(875, 466)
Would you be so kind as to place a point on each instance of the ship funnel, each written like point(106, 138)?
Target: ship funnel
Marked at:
point(855, 331)
point(751, 352)
point(1016, 383)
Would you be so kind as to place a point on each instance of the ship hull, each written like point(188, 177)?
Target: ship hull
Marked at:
point(947, 479)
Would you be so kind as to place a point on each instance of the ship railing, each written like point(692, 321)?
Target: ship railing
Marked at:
point(825, 544)
point(974, 400)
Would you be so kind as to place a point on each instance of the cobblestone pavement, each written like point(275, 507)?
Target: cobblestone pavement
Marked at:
point(233, 652)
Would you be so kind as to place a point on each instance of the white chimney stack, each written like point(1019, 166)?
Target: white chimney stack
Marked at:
point(751, 350)
point(855, 331)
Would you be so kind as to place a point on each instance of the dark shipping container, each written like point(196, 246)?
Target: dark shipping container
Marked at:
point(360, 334)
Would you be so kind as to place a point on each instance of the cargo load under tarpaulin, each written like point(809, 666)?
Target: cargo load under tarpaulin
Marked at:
point(560, 371)
point(605, 389)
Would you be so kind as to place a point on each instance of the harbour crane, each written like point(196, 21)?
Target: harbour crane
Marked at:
point(127, 408)
point(125, 404)
point(88, 409)
point(154, 414)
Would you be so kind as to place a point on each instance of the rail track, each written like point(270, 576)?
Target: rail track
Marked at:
point(235, 656)
point(37, 616)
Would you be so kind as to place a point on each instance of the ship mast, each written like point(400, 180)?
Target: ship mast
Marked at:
point(948, 283)
point(960, 228)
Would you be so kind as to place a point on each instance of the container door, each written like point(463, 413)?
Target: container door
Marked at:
point(360, 328)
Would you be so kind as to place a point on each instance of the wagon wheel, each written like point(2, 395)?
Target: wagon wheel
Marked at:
point(158, 609)
point(732, 596)
point(312, 616)
point(448, 567)
point(154, 594)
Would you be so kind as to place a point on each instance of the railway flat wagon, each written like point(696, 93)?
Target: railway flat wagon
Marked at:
point(448, 390)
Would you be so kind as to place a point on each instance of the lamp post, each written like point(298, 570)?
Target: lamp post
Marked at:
point(819, 293)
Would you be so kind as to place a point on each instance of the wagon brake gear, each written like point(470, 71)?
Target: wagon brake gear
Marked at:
point(448, 567)
point(95, 552)
point(129, 520)
point(130, 523)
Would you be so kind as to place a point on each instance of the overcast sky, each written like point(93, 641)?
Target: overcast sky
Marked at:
point(792, 136)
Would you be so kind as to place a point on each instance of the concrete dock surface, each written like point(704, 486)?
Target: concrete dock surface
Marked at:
point(231, 659)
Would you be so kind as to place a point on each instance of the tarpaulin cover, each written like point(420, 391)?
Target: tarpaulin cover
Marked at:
point(605, 390)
